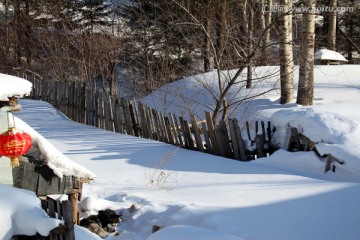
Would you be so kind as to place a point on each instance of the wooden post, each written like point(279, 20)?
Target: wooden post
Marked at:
point(68, 218)
point(73, 198)
point(260, 141)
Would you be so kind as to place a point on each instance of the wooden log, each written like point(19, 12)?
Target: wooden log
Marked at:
point(199, 143)
point(212, 134)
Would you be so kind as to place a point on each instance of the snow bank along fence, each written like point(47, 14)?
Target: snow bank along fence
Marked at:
point(131, 117)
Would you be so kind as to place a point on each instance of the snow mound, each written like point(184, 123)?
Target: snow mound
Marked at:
point(23, 215)
point(13, 86)
point(318, 126)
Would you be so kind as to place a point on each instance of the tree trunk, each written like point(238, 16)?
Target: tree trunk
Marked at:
point(18, 33)
point(286, 55)
point(220, 34)
point(27, 45)
point(7, 42)
point(250, 45)
point(306, 67)
point(332, 26)
point(207, 42)
point(266, 42)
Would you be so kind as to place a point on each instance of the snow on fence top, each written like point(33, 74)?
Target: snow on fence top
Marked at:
point(13, 86)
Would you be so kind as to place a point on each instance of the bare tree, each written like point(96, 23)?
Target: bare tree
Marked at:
point(286, 54)
point(306, 66)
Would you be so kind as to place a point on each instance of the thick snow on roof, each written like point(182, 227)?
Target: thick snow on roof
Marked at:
point(44, 150)
point(13, 86)
point(326, 54)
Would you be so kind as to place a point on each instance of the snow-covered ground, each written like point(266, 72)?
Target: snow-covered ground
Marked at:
point(201, 196)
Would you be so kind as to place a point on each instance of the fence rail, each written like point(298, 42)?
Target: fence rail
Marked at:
point(132, 117)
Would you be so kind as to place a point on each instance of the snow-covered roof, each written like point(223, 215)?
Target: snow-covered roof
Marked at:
point(42, 149)
point(13, 86)
point(326, 54)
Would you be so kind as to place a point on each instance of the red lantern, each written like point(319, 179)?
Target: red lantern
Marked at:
point(14, 144)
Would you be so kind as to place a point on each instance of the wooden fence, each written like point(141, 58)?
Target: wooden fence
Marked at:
point(132, 117)
point(56, 207)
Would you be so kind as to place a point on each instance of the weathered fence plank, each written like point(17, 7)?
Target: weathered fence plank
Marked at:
point(199, 143)
point(212, 134)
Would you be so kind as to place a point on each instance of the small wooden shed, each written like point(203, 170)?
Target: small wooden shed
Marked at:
point(34, 175)
point(328, 57)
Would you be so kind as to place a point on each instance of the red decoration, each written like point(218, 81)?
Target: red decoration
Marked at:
point(14, 144)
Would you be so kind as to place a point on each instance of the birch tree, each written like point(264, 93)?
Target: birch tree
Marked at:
point(266, 40)
point(332, 25)
point(306, 65)
point(286, 54)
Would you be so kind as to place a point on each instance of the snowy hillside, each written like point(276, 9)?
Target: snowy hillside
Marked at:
point(333, 84)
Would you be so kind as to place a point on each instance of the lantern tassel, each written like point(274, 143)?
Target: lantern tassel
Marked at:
point(14, 162)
